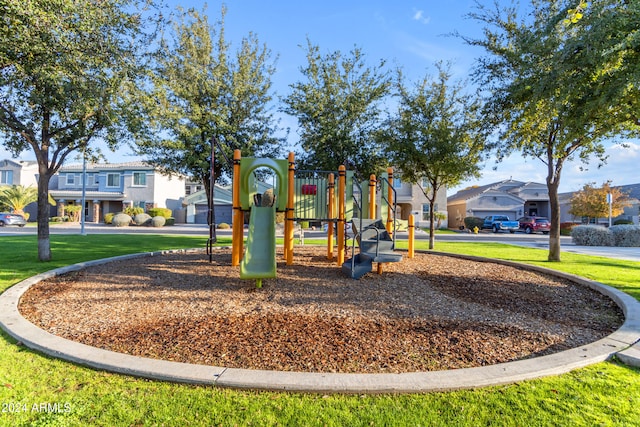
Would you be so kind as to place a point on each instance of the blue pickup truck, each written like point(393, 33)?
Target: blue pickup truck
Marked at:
point(500, 222)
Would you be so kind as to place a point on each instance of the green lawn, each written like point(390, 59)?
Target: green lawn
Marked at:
point(36, 390)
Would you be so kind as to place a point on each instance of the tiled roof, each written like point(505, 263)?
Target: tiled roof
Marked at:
point(471, 192)
point(110, 166)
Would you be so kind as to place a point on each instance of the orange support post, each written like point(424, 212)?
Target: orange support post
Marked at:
point(331, 211)
point(390, 198)
point(411, 235)
point(288, 222)
point(342, 183)
point(237, 234)
point(372, 196)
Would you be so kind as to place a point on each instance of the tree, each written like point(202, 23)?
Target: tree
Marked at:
point(17, 197)
point(547, 99)
point(65, 70)
point(592, 202)
point(200, 91)
point(605, 40)
point(338, 110)
point(435, 136)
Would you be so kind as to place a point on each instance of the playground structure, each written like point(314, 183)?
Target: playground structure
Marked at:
point(311, 196)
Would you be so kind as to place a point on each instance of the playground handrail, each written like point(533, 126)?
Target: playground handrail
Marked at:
point(392, 206)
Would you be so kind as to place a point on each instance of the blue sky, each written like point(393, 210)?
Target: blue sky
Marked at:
point(409, 34)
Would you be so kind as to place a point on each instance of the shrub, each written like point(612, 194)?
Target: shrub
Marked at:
point(73, 211)
point(142, 219)
point(121, 220)
point(56, 219)
point(108, 218)
point(223, 226)
point(170, 221)
point(566, 227)
point(158, 221)
point(622, 221)
point(133, 211)
point(165, 212)
point(625, 235)
point(471, 221)
point(591, 235)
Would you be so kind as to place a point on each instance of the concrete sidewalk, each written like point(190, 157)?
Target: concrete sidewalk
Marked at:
point(618, 343)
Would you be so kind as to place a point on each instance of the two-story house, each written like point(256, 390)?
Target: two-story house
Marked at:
point(18, 172)
point(114, 187)
point(411, 200)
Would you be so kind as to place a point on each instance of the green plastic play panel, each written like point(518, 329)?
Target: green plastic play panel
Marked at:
point(247, 185)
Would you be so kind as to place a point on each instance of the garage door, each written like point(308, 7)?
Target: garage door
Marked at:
point(223, 213)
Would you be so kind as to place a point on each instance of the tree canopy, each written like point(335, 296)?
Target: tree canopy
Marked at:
point(199, 90)
point(592, 202)
point(552, 91)
point(339, 107)
point(66, 68)
point(436, 136)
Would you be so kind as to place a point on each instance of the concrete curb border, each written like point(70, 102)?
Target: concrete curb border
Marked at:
point(620, 343)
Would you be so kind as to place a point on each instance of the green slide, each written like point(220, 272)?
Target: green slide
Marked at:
point(259, 260)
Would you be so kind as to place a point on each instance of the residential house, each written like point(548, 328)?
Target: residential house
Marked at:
point(197, 207)
point(114, 187)
point(20, 172)
point(411, 200)
point(631, 213)
point(509, 197)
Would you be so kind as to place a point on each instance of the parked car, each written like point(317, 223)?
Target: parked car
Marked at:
point(500, 222)
point(534, 224)
point(12, 219)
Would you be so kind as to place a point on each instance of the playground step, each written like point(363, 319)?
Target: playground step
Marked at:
point(357, 266)
point(388, 256)
point(370, 245)
point(374, 241)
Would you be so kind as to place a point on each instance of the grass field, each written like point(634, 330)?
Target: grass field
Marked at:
point(36, 390)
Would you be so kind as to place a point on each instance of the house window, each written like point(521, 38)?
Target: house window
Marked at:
point(113, 180)
point(397, 183)
point(71, 179)
point(6, 177)
point(96, 179)
point(140, 179)
point(425, 211)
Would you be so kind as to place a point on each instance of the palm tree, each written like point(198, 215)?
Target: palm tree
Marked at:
point(16, 197)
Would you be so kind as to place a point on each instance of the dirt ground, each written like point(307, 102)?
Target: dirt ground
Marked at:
point(431, 312)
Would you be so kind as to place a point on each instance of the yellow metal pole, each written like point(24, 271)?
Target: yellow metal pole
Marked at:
point(331, 213)
point(342, 183)
point(390, 198)
point(288, 232)
point(372, 196)
point(411, 235)
point(238, 217)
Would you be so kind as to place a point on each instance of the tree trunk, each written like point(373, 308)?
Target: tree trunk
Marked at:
point(432, 232)
point(44, 245)
point(554, 233)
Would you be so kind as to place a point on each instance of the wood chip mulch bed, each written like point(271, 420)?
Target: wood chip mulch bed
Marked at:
point(431, 312)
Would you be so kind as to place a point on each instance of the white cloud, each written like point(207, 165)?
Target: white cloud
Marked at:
point(419, 16)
